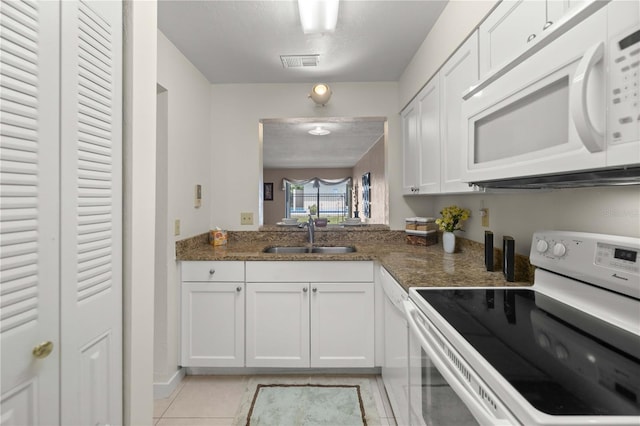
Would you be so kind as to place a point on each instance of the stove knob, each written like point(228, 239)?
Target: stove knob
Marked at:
point(561, 352)
point(542, 246)
point(559, 250)
point(543, 341)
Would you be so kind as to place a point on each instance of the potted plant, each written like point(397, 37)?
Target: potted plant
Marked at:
point(451, 220)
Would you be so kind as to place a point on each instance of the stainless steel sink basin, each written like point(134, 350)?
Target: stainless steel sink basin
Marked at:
point(318, 250)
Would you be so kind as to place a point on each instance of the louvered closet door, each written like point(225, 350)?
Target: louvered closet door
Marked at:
point(29, 206)
point(91, 271)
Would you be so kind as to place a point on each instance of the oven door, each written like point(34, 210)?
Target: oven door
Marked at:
point(546, 115)
point(443, 389)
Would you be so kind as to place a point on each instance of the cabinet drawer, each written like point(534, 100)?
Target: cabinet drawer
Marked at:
point(311, 271)
point(213, 271)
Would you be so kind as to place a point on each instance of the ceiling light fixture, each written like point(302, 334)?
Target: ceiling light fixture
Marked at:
point(320, 93)
point(319, 131)
point(318, 16)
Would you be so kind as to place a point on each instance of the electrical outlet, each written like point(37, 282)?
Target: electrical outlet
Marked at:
point(176, 227)
point(485, 217)
point(246, 218)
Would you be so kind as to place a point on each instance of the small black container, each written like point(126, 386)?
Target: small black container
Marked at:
point(488, 250)
point(508, 258)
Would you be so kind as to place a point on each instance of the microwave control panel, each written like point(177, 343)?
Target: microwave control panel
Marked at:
point(624, 87)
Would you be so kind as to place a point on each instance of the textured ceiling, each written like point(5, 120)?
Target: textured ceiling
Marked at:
point(287, 143)
point(241, 42)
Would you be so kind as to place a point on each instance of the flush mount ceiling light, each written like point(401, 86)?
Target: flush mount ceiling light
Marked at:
point(319, 131)
point(318, 16)
point(320, 93)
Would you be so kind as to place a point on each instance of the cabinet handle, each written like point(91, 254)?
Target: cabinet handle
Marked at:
point(42, 350)
point(212, 271)
point(315, 290)
point(238, 289)
point(305, 289)
point(547, 25)
point(531, 37)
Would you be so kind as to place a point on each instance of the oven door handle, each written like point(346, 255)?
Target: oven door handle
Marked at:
point(481, 414)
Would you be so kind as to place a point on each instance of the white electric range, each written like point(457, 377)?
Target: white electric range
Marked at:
point(565, 351)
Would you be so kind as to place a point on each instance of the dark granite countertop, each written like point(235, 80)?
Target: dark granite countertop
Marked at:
point(410, 265)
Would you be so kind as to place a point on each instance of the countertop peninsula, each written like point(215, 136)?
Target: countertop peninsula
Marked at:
point(410, 265)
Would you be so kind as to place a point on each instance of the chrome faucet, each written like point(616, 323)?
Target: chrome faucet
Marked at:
point(311, 228)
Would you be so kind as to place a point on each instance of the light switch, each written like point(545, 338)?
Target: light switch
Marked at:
point(198, 197)
point(176, 227)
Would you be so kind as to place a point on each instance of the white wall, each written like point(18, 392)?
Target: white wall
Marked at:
point(612, 210)
point(140, 52)
point(236, 157)
point(188, 153)
point(453, 26)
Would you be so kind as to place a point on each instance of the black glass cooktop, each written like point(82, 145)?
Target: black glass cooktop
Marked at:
point(563, 361)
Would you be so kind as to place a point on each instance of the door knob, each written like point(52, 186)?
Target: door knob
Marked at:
point(305, 289)
point(238, 289)
point(43, 349)
point(315, 289)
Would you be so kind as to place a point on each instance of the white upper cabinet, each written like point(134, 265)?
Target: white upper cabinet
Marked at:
point(432, 133)
point(409, 149)
point(421, 142)
point(428, 155)
point(456, 77)
point(513, 25)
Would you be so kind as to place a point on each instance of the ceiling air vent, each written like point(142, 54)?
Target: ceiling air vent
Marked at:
point(295, 61)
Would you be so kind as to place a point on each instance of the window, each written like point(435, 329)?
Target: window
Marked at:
point(327, 198)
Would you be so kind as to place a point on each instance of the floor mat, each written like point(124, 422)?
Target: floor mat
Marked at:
point(307, 401)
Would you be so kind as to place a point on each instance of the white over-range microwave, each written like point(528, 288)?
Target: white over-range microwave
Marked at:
point(569, 108)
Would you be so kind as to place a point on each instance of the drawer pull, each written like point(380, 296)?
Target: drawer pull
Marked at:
point(531, 37)
point(238, 289)
point(212, 271)
point(315, 289)
point(547, 25)
point(305, 289)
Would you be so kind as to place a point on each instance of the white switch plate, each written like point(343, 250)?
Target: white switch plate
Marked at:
point(176, 227)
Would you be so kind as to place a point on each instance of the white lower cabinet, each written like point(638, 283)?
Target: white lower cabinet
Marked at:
point(342, 325)
point(278, 325)
point(316, 321)
point(213, 314)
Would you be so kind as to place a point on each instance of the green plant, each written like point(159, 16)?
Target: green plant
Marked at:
point(452, 218)
point(313, 209)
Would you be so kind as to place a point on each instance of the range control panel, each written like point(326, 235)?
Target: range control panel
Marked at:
point(608, 261)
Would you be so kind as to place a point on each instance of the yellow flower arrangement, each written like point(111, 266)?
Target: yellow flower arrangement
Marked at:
point(452, 218)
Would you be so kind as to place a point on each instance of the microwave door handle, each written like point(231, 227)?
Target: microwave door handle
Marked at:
point(592, 138)
point(419, 332)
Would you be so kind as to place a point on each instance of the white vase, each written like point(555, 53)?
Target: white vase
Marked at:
point(449, 242)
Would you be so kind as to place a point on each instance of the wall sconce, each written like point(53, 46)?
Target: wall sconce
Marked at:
point(320, 94)
point(318, 16)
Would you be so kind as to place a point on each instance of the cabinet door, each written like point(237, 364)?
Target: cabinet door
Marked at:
point(428, 153)
point(505, 32)
point(410, 149)
point(212, 324)
point(456, 76)
point(342, 325)
point(277, 332)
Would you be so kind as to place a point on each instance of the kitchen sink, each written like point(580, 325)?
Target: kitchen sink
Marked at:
point(318, 250)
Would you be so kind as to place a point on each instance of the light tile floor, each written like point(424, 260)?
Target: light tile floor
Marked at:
point(214, 400)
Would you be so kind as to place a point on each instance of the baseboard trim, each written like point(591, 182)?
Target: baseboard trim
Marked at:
point(196, 371)
point(164, 390)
